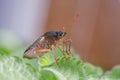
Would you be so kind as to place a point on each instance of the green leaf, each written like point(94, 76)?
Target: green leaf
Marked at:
point(45, 60)
point(4, 51)
point(89, 69)
point(66, 69)
point(45, 75)
point(114, 74)
point(13, 69)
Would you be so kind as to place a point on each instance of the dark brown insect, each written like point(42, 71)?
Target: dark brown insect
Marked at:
point(46, 42)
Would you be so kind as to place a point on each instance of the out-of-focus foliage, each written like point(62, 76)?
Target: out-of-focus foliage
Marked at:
point(14, 67)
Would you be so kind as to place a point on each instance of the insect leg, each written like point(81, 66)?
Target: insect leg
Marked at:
point(54, 56)
point(37, 52)
point(62, 51)
point(68, 46)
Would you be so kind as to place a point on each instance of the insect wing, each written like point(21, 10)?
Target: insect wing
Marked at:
point(29, 52)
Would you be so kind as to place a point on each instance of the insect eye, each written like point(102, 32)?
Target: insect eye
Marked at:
point(57, 33)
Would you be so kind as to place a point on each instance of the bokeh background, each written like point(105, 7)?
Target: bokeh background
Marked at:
point(95, 35)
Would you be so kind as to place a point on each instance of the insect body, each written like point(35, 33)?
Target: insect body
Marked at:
point(48, 41)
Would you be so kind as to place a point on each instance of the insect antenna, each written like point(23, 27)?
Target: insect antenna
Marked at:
point(69, 41)
point(75, 18)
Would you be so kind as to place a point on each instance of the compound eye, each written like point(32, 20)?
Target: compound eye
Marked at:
point(57, 33)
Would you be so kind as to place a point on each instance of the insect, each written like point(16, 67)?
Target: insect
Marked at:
point(48, 42)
